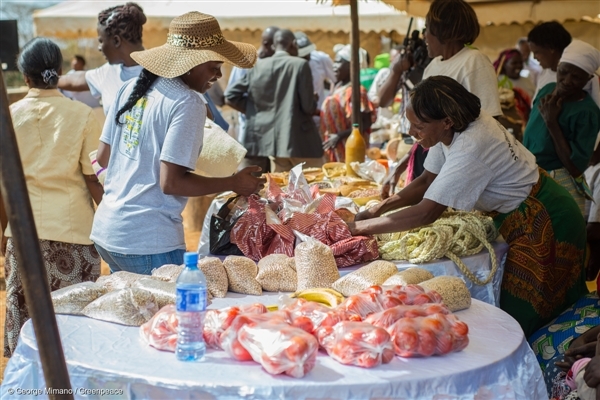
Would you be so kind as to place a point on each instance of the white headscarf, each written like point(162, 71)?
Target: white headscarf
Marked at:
point(586, 57)
point(345, 52)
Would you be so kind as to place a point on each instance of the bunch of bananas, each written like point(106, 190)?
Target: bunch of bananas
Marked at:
point(329, 297)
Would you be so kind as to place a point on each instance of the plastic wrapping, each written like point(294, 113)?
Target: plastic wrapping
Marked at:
point(161, 331)
point(357, 343)
point(455, 293)
point(315, 265)
point(280, 348)
point(119, 280)
point(74, 298)
point(168, 272)
point(371, 170)
point(130, 306)
point(221, 226)
point(241, 274)
point(412, 294)
point(216, 276)
point(374, 273)
point(164, 292)
point(409, 276)
point(362, 304)
point(436, 334)
point(277, 273)
point(385, 319)
point(229, 340)
point(217, 321)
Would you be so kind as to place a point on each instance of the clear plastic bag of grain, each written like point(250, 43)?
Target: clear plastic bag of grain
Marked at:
point(164, 292)
point(129, 306)
point(216, 276)
point(276, 274)
point(315, 265)
point(371, 274)
point(119, 280)
point(241, 274)
point(73, 299)
point(409, 276)
point(168, 272)
point(455, 293)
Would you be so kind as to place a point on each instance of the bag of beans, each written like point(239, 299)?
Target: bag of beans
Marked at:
point(241, 274)
point(168, 272)
point(410, 276)
point(216, 276)
point(277, 273)
point(164, 292)
point(455, 293)
point(119, 280)
point(315, 265)
point(374, 273)
point(73, 299)
point(129, 306)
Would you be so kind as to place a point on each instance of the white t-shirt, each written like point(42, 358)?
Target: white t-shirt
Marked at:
point(85, 97)
point(321, 68)
point(105, 81)
point(378, 81)
point(135, 216)
point(475, 72)
point(485, 168)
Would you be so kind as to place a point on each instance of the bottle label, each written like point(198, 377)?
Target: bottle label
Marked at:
point(191, 299)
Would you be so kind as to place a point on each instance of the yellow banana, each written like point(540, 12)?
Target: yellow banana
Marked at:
point(326, 296)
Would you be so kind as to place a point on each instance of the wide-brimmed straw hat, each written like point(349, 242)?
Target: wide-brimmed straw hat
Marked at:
point(194, 38)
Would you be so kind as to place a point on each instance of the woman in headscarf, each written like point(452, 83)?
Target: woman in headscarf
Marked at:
point(473, 163)
point(336, 111)
point(119, 34)
point(508, 66)
point(565, 121)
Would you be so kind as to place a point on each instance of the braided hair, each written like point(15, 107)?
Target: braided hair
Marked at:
point(125, 21)
point(143, 83)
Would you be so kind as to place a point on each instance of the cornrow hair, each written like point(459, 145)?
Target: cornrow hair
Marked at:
point(142, 84)
point(125, 21)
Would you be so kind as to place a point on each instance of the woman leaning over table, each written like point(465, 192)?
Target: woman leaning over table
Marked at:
point(150, 143)
point(55, 136)
point(474, 163)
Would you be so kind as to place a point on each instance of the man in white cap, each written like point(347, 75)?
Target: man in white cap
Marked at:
point(321, 67)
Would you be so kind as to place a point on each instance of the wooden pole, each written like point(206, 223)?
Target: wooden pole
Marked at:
point(29, 255)
point(355, 64)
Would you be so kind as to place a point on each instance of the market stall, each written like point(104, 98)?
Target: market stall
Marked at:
point(498, 363)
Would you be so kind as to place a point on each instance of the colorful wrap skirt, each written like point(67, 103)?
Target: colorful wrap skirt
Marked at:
point(66, 264)
point(544, 271)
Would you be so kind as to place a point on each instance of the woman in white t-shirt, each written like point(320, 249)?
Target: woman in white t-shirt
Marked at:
point(119, 34)
point(475, 164)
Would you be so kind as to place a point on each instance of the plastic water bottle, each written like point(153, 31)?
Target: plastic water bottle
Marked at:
point(191, 306)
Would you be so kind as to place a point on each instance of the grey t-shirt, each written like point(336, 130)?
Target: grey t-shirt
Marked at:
point(135, 216)
point(485, 168)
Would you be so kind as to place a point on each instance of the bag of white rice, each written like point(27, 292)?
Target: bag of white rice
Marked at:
point(216, 276)
point(168, 272)
point(371, 274)
point(119, 280)
point(315, 265)
point(130, 306)
point(275, 273)
point(455, 293)
point(409, 276)
point(241, 274)
point(73, 299)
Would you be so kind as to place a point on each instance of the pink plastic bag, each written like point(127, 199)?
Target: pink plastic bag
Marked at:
point(161, 330)
point(357, 343)
point(217, 321)
point(436, 334)
point(280, 348)
point(385, 319)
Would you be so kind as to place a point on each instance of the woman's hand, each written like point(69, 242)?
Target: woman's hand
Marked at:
point(331, 142)
point(366, 214)
point(550, 107)
point(591, 375)
point(583, 346)
point(245, 183)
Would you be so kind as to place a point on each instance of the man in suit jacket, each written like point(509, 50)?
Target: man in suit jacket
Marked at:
point(279, 106)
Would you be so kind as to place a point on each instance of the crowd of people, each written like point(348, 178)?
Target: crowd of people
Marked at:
point(515, 138)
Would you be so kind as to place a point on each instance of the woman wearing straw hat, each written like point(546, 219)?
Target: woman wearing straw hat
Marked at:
point(151, 141)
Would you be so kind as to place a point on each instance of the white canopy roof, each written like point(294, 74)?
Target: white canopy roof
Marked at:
point(77, 18)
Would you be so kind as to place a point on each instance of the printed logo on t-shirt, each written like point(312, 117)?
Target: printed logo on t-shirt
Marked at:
point(130, 139)
point(511, 143)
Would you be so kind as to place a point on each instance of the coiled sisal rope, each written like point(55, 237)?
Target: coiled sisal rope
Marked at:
point(453, 235)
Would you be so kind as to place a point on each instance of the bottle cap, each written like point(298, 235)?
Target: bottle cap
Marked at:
point(190, 258)
point(355, 125)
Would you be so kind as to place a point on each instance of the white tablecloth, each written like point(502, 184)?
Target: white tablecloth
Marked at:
point(479, 264)
point(497, 364)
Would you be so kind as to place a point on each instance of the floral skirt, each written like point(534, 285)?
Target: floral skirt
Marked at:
point(65, 263)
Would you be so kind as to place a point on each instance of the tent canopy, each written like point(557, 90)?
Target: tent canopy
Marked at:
point(513, 11)
point(78, 18)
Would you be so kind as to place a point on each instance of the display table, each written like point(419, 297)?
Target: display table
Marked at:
point(497, 364)
point(479, 264)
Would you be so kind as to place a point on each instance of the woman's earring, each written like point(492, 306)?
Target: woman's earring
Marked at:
point(189, 72)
